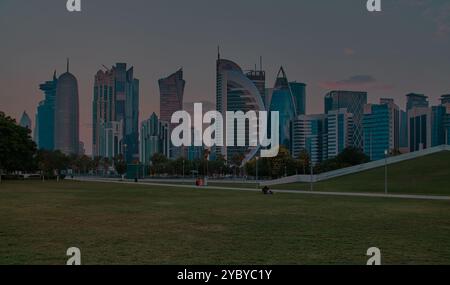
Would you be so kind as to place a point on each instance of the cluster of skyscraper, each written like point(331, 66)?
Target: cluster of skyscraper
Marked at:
point(348, 120)
point(57, 116)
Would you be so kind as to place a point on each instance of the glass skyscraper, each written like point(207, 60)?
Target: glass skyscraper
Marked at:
point(155, 138)
point(299, 94)
point(445, 101)
point(438, 114)
point(308, 135)
point(44, 132)
point(235, 91)
point(67, 129)
point(339, 132)
point(354, 102)
point(283, 102)
point(394, 123)
point(376, 129)
point(171, 91)
point(115, 106)
point(419, 128)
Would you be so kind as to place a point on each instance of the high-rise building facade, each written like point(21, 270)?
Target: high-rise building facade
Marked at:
point(283, 102)
point(67, 130)
point(110, 136)
point(339, 132)
point(235, 92)
point(394, 123)
point(155, 138)
point(103, 108)
point(377, 130)
point(131, 125)
point(44, 132)
point(116, 102)
point(171, 91)
point(403, 132)
point(419, 128)
point(308, 135)
point(354, 102)
point(438, 114)
point(445, 101)
point(258, 77)
point(299, 94)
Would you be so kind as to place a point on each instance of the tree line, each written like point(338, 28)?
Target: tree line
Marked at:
point(18, 152)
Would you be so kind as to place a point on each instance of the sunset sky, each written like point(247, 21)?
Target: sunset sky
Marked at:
point(325, 44)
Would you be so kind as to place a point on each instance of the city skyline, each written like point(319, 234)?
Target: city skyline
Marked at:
point(358, 59)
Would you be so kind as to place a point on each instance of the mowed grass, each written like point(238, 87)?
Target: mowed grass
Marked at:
point(429, 175)
point(136, 224)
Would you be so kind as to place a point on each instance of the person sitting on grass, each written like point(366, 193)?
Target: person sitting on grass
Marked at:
point(267, 191)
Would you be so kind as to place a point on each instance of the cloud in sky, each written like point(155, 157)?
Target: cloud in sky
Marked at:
point(359, 82)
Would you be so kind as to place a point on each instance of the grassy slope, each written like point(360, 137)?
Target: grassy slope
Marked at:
point(426, 175)
point(132, 224)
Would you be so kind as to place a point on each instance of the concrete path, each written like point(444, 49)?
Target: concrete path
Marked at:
point(371, 195)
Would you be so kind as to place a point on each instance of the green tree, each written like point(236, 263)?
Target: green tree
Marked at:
point(85, 163)
point(106, 164)
point(120, 164)
point(352, 156)
point(17, 149)
point(50, 162)
point(159, 163)
point(280, 163)
point(303, 162)
point(236, 161)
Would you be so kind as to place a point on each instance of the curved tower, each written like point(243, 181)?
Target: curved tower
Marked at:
point(236, 92)
point(66, 114)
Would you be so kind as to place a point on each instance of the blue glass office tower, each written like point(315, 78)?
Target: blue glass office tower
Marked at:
point(447, 128)
point(354, 102)
point(376, 128)
point(438, 114)
point(403, 131)
point(283, 102)
point(299, 94)
point(44, 132)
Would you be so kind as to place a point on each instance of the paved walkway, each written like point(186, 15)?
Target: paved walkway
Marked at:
point(371, 195)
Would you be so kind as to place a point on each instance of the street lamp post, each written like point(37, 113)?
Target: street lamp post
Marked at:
point(183, 168)
point(385, 172)
point(311, 171)
point(257, 158)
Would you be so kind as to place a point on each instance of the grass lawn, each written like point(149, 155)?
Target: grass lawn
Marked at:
point(136, 224)
point(426, 175)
